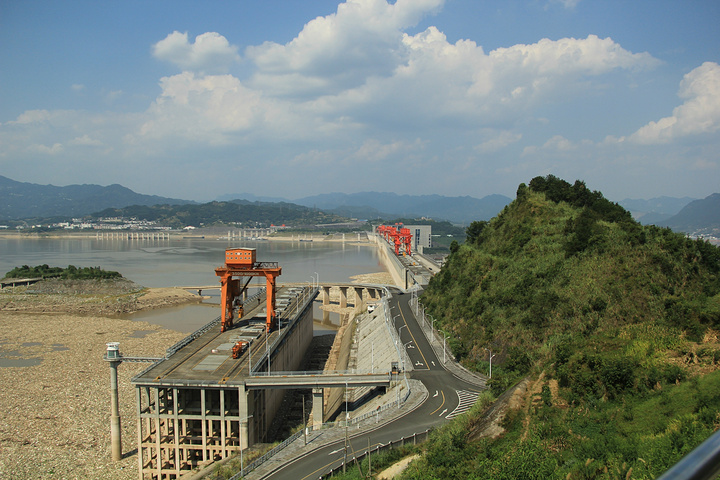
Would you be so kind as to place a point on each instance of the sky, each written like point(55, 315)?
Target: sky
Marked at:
point(289, 98)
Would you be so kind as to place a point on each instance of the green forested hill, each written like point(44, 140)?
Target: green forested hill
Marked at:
point(237, 211)
point(615, 324)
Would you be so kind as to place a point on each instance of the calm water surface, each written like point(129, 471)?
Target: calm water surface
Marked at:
point(185, 262)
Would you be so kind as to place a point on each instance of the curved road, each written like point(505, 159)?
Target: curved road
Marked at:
point(448, 396)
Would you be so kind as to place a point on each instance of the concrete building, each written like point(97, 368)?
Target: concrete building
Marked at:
point(421, 237)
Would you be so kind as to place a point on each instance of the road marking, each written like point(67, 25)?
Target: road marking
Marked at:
point(443, 412)
point(466, 399)
point(336, 451)
point(436, 394)
point(433, 362)
point(441, 405)
point(411, 334)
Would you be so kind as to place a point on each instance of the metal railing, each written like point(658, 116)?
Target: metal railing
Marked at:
point(413, 439)
point(267, 456)
point(703, 463)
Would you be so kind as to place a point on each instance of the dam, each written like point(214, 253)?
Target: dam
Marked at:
point(217, 391)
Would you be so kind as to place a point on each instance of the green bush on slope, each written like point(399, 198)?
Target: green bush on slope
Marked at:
point(619, 315)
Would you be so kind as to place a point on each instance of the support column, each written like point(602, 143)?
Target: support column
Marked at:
point(317, 407)
point(358, 298)
point(245, 410)
point(326, 302)
point(343, 297)
point(115, 432)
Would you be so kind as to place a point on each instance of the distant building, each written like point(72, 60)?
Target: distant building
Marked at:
point(421, 237)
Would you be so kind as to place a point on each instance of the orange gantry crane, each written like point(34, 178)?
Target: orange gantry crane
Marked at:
point(398, 236)
point(241, 262)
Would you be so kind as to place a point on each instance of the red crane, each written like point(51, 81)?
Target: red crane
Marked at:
point(398, 236)
point(240, 262)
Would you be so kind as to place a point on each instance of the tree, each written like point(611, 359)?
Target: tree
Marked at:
point(474, 231)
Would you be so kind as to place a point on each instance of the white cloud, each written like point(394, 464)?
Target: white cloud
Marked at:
point(85, 141)
point(339, 51)
point(498, 141)
point(47, 150)
point(700, 113)
point(211, 52)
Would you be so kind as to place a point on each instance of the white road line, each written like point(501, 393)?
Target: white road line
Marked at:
point(466, 399)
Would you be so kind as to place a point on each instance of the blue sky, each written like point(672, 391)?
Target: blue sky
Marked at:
point(291, 98)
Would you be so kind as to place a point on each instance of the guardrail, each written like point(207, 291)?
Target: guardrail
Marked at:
point(267, 456)
point(703, 463)
point(415, 438)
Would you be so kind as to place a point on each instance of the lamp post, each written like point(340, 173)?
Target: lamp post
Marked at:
point(491, 357)
point(396, 316)
point(400, 330)
point(405, 354)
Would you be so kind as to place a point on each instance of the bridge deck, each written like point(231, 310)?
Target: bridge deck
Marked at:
point(207, 359)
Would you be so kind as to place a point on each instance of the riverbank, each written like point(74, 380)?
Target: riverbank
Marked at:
point(54, 405)
point(91, 297)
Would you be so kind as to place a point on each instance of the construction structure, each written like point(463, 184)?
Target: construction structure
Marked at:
point(216, 392)
point(398, 236)
point(241, 262)
point(194, 406)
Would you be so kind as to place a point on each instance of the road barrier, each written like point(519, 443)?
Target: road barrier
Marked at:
point(413, 439)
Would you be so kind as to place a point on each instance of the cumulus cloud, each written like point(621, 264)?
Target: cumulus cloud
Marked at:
point(358, 68)
point(211, 52)
point(341, 50)
point(498, 141)
point(700, 113)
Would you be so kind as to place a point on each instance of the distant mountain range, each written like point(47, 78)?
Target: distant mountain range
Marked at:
point(369, 205)
point(391, 205)
point(656, 210)
point(699, 216)
point(20, 200)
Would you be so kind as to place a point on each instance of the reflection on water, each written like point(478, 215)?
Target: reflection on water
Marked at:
point(184, 319)
point(192, 262)
point(181, 262)
point(189, 318)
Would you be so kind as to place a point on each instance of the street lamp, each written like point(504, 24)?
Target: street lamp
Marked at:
point(396, 316)
point(405, 354)
point(400, 330)
point(491, 357)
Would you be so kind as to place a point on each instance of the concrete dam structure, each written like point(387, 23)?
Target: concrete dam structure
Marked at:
point(196, 405)
point(216, 392)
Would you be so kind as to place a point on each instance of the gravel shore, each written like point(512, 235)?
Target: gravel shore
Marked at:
point(55, 395)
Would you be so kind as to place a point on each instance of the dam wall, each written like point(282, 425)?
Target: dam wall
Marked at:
point(391, 262)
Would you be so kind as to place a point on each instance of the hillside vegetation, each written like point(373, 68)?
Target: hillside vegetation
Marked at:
point(615, 324)
point(220, 213)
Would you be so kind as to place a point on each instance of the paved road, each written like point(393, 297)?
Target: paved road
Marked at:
point(448, 396)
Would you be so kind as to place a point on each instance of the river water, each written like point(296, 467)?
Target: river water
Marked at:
point(191, 262)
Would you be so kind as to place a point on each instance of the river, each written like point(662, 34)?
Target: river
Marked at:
point(190, 261)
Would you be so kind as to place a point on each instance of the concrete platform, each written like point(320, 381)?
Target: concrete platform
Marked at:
point(207, 360)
